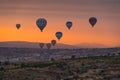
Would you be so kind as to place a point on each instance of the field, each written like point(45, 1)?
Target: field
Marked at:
point(86, 68)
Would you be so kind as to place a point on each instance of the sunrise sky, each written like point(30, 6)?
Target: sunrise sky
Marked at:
point(57, 12)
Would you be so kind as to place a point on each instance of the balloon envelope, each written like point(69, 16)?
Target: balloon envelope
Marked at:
point(18, 26)
point(58, 35)
point(41, 45)
point(41, 23)
point(48, 45)
point(53, 42)
point(92, 21)
point(69, 24)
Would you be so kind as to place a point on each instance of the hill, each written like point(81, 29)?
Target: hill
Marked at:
point(24, 44)
point(92, 45)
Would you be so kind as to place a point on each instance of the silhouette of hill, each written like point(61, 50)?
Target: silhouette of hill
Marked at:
point(24, 44)
point(92, 45)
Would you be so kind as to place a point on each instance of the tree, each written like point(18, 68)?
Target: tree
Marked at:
point(108, 54)
point(119, 53)
point(73, 57)
point(6, 63)
point(0, 63)
point(2, 69)
point(52, 59)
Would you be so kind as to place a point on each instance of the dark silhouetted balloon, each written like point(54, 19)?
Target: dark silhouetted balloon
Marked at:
point(41, 23)
point(53, 42)
point(48, 45)
point(58, 35)
point(18, 26)
point(41, 45)
point(92, 21)
point(69, 24)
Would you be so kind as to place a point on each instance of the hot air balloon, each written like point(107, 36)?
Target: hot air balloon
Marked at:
point(41, 23)
point(41, 45)
point(48, 45)
point(53, 42)
point(58, 35)
point(18, 26)
point(92, 21)
point(69, 24)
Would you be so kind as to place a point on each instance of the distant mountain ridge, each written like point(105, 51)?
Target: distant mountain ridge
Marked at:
point(25, 44)
point(92, 45)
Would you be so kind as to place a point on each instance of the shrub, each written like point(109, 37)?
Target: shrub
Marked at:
point(6, 63)
point(2, 69)
point(73, 57)
point(62, 65)
point(102, 73)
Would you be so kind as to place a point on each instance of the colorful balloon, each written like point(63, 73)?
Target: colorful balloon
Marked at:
point(53, 42)
point(41, 45)
point(18, 26)
point(41, 23)
point(58, 35)
point(69, 24)
point(48, 45)
point(92, 21)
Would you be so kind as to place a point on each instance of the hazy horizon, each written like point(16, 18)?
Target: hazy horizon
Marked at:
point(28, 44)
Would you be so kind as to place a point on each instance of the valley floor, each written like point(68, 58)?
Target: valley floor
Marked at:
point(87, 68)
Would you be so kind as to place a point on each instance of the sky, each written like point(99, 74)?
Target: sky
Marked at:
point(57, 13)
